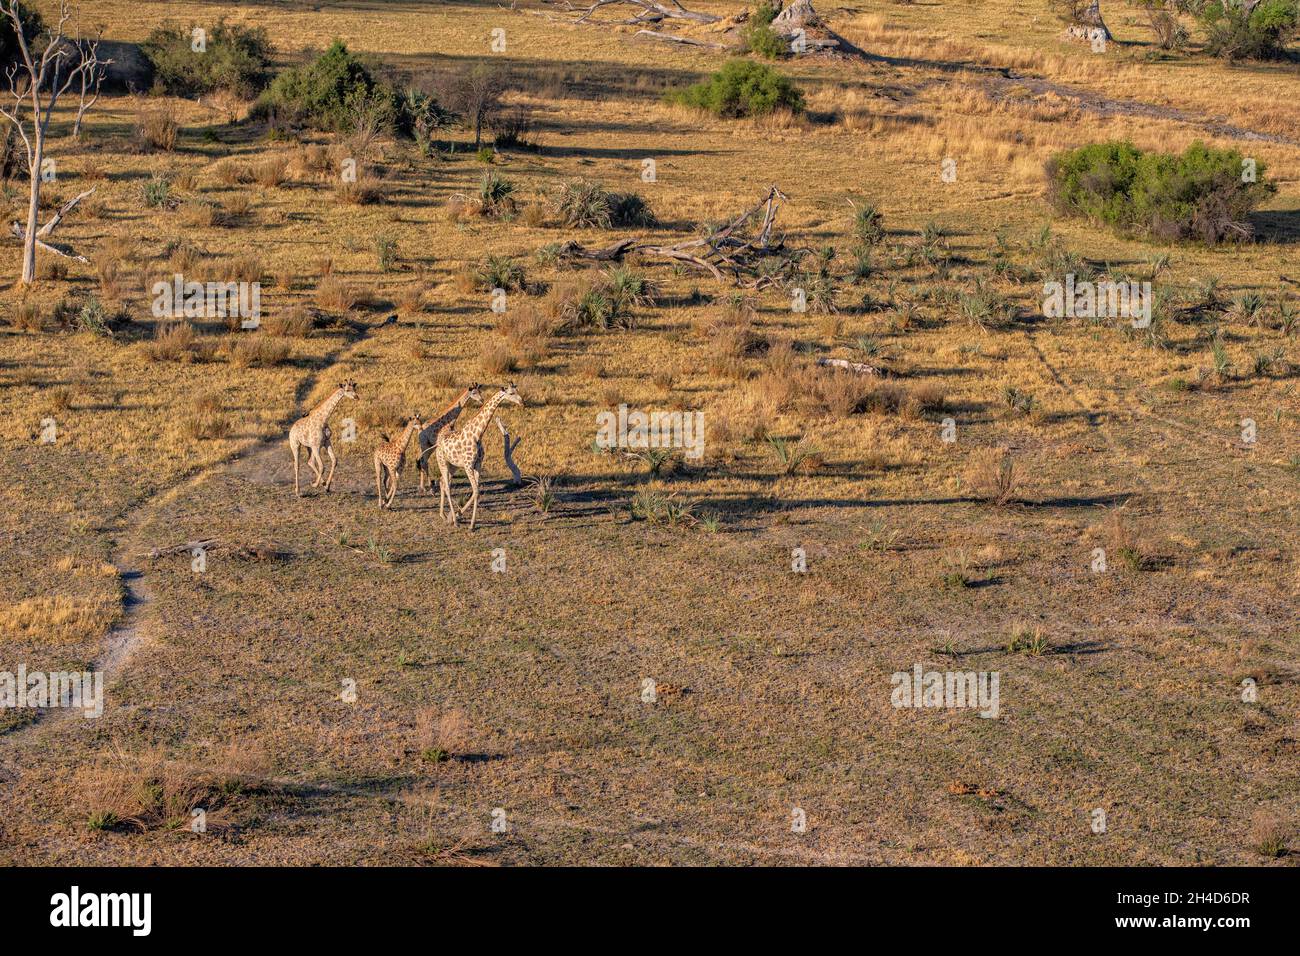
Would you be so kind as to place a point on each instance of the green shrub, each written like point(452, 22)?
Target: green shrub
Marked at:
point(235, 58)
point(500, 272)
point(760, 38)
point(1260, 33)
point(582, 203)
point(868, 224)
point(420, 116)
point(495, 194)
point(763, 14)
point(156, 191)
point(33, 26)
point(332, 92)
point(1198, 195)
point(742, 88)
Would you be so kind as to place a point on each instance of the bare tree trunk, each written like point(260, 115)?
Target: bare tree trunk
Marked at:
point(33, 209)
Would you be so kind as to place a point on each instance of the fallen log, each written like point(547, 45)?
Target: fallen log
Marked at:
point(653, 12)
point(723, 250)
point(858, 368)
point(20, 231)
point(674, 38)
point(204, 544)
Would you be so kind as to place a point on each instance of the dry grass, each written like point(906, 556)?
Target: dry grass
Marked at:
point(992, 476)
point(173, 342)
point(57, 619)
point(365, 190)
point(744, 649)
point(335, 295)
point(253, 350)
point(139, 792)
point(293, 322)
point(156, 128)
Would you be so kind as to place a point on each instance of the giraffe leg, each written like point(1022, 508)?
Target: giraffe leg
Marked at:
point(444, 491)
point(293, 449)
point(333, 461)
point(313, 459)
point(392, 486)
point(379, 482)
point(473, 495)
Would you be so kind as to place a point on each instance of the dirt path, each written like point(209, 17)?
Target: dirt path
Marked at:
point(127, 636)
point(1001, 85)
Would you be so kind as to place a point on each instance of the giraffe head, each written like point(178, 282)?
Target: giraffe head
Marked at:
point(474, 393)
point(414, 423)
point(349, 388)
point(510, 394)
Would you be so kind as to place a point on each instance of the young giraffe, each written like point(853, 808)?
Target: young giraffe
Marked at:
point(312, 432)
point(389, 459)
point(464, 449)
point(429, 430)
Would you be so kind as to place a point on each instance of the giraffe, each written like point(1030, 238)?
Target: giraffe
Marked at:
point(464, 450)
point(312, 431)
point(429, 430)
point(389, 459)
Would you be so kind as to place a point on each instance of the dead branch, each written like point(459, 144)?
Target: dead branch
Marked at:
point(509, 451)
point(674, 38)
point(204, 544)
point(57, 248)
point(53, 222)
point(260, 552)
point(92, 78)
point(20, 231)
point(652, 12)
point(724, 251)
point(859, 368)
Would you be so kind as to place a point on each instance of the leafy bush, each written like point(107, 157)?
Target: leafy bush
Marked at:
point(33, 26)
point(1198, 195)
point(1162, 17)
point(1236, 32)
point(742, 88)
point(332, 92)
point(235, 58)
point(759, 37)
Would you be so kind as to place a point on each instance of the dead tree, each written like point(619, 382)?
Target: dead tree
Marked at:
point(1084, 19)
point(91, 80)
point(46, 76)
point(727, 252)
point(508, 449)
point(652, 12)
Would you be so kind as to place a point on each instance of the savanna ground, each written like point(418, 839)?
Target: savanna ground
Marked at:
point(523, 690)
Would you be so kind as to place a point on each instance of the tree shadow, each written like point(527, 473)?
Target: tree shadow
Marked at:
point(1276, 225)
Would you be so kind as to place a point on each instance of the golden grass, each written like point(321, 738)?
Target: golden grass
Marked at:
point(57, 619)
point(887, 501)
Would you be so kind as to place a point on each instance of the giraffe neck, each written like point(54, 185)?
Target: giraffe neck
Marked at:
point(326, 408)
point(460, 402)
point(479, 423)
point(406, 436)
